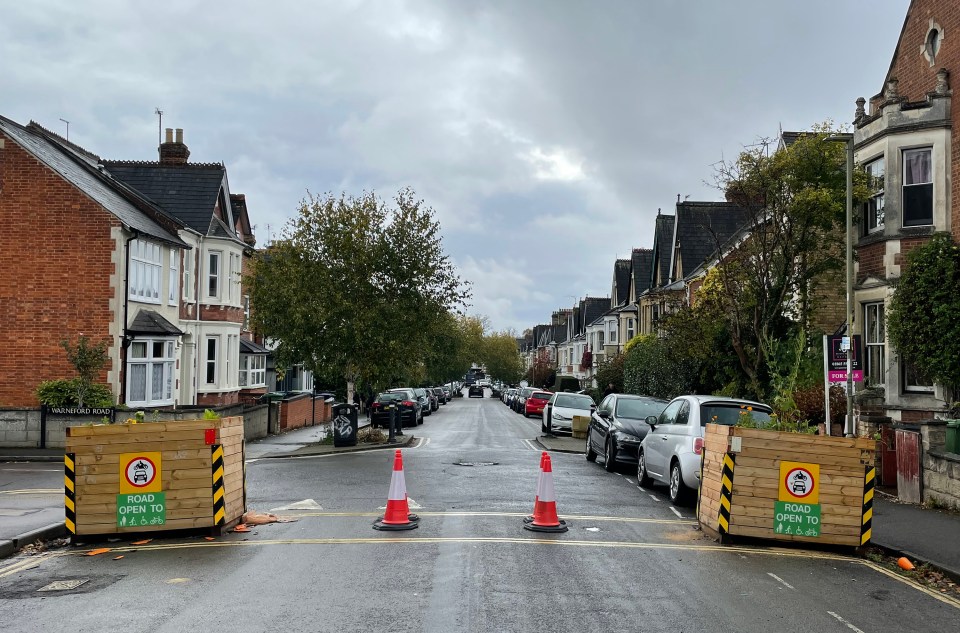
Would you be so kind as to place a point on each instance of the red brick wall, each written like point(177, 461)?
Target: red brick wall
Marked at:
point(915, 416)
point(56, 263)
point(216, 399)
point(298, 412)
point(917, 78)
point(870, 259)
point(221, 313)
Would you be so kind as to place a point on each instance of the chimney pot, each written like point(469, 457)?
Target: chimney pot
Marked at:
point(168, 137)
point(179, 134)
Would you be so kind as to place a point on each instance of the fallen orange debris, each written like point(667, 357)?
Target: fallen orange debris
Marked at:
point(98, 551)
point(905, 564)
point(143, 542)
point(117, 557)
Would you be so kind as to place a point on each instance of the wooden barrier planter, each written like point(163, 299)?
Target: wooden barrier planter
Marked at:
point(786, 486)
point(154, 476)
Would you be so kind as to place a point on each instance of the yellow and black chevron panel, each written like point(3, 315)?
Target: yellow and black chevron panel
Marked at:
point(70, 492)
point(866, 523)
point(703, 458)
point(219, 512)
point(726, 493)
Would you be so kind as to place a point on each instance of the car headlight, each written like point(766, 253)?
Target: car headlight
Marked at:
point(625, 438)
point(560, 416)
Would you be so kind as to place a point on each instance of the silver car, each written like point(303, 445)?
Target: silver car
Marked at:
point(672, 449)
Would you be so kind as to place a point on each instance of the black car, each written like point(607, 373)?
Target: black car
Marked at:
point(380, 411)
point(475, 390)
point(440, 394)
point(618, 426)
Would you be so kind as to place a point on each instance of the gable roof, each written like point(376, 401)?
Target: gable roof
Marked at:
point(81, 169)
point(621, 282)
point(699, 230)
point(641, 269)
point(662, 249)
point(190, 191)
point(594, 308)
point(151, 322)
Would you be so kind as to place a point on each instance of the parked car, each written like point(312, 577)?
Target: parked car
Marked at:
point(380, 413)
point(536, 402)
point(475, 390)
point(520, 400)
point(671, 451)
point(559, 412)
point(411, 394)
point(440, 394)
point(618, 426)
point(424, 399)
point(447, 392)
point(507, 396)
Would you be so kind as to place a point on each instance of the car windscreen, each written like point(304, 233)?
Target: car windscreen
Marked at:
point(573, 401)
point(390, 397)
point(731, 413)
point(638, 409)
point(541, 395)
point(525, 392)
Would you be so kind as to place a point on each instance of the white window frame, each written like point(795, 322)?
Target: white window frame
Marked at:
point(253, 370)
point(188, 260)
point(151, 363)
point(213, 362)
point(905, 186)
point(631, 328)
point(214, 276)
point(173, 281)
point(874, 344)
point(913, 382)
point(875, 204)
point(146, 265)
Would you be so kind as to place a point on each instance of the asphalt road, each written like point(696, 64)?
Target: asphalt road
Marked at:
point(31, 496)
point(630, 561)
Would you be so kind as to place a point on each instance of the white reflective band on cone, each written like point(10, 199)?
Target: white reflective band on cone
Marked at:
point(546, 492)
point(398, 487)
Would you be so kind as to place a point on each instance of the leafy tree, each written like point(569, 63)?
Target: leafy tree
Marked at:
point(88, 360)
point(650, 369)
point(923, 320)
point(355, 288)
point(541, 373)
point(610, 372)
point(502, 358)
point(793, 247)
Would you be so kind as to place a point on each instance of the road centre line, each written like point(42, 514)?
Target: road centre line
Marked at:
point(845, 623)
point(31, 470)
point(530, 445)
point(781, 580)
point(676, 512)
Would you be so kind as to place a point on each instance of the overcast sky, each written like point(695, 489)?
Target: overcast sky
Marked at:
point(545, 134)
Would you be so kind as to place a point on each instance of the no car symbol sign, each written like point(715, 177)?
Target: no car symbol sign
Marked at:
point(140, 472)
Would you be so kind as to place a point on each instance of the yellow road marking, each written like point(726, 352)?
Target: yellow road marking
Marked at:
point(501, 514)
point(28, 563)
point(33, 491)
point(907, 581)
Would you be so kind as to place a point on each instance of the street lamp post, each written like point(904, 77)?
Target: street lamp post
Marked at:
point(850, 428)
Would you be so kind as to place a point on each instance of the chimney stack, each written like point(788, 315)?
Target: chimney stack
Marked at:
point(174, 152)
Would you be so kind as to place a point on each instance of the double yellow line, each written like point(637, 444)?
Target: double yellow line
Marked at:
point(28, 563)
point(33, 491)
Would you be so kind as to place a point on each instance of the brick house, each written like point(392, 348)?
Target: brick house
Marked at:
point(116, 260)
point(903, 139)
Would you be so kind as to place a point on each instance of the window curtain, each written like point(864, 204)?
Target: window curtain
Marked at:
point(917, 168)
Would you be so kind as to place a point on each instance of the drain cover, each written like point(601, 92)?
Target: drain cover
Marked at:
point(63, 585)
point(476, 463)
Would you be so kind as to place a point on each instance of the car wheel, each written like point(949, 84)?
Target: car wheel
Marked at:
point(589, 452)
point(643, 479)
point(678, 491)
point(610, 456)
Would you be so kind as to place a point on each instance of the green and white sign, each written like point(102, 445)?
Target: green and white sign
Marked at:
point(796, 519)
point(142, 509)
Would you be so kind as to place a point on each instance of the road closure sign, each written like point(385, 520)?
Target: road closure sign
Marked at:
point(797, 509)
point(799, 482)
point(140, 472)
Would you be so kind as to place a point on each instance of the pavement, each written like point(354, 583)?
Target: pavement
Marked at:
point(31, 499)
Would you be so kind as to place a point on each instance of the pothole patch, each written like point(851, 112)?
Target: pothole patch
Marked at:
point(64, 585)
point(476, 463)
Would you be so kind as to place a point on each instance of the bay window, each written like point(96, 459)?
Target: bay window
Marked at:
point(917, 187)
point(150, 364)
point(874, 341)
point(144, 271)
point(873, 213)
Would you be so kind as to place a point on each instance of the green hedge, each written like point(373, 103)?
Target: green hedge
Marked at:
point(63, 393)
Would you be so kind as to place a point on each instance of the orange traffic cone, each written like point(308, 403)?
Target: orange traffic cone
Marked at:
point(397, 516)
point(545, 517)
point(529, 517)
